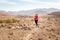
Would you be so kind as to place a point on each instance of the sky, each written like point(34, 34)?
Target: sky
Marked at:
point(17, 5)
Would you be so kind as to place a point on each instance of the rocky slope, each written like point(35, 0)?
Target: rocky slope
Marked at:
point(57, 14)
point(25, 29)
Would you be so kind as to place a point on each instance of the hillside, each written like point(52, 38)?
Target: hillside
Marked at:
point(55, 14)
point(25, 29)
point(6, 15)
point(31, 12)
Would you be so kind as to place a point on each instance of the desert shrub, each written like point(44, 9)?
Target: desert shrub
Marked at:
point(15, 20)
point(12, 20)
point(9, 21)
point(2, 21)
point(48, 18)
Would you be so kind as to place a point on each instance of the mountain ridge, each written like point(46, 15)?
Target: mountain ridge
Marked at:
point(34, 11)
point(31, 12)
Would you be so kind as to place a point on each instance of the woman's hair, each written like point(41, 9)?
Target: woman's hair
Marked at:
point(36, 14)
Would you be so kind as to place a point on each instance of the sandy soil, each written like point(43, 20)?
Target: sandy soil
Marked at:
point(49, 29)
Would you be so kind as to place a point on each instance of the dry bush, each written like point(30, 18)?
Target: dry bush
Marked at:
point(48, 18)
point(9, 21)
point(2, 21)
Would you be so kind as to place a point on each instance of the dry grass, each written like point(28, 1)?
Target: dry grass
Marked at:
point(9, 21)
point(25, 29)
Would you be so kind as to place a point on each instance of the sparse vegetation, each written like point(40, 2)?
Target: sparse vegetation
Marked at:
point(48, 18)
point(9, 21)
point(25, 29)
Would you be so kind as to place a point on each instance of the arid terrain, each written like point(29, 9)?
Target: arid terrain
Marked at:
point(23, 28)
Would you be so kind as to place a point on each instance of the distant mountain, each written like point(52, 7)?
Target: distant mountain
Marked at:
point(31, 12)
point(39, 11)
point(4, 13)
point(55, 13)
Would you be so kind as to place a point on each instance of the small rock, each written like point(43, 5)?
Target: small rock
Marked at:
point(11, 33)
point(9, 27)
point(49, 37)
point(31, 39)
point(24, 24)
point(2, 26)
point(58, 33)
point(52, 29)
point(56, 39)
point(13, 27)
point(29, 28)
point(39, 39)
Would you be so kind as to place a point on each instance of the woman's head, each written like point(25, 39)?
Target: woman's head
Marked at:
point(36, 14)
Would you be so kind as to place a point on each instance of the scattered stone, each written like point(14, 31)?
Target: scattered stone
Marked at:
point(8, 36)
point(49, 37)
point(39, 39)
point(52, 30)
point(48, 30)
point(9, 27)
point(11, 33)
point(29, 28)
point(17, 27)
point(2, 25)
point(31, 39)
point(24, 24)
point(56, 39)
point(13, 28)
point(33, 33)
point(58, 33)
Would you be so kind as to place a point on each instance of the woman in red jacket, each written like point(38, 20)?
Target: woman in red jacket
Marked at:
point(36, 19)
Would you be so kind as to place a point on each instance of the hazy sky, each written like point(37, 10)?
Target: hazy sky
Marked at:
point(16, 5)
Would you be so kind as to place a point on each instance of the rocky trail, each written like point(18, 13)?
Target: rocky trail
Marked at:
point(49, 29)
point(30, 34)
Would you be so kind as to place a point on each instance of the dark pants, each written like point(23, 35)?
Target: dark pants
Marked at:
point(36, 22)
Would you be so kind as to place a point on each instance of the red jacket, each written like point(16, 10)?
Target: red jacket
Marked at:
point(36, 17)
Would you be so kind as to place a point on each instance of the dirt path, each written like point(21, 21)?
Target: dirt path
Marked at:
point(30, 34)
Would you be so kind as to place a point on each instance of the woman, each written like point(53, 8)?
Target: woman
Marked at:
point(36, 19)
